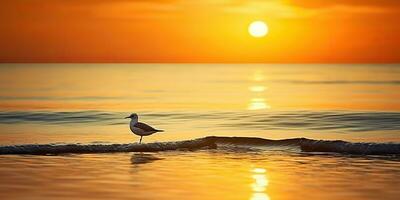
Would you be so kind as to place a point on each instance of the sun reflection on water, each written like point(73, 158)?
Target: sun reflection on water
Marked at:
point(258, 104)
point(257, 88)
point(258, 101)
point(259, 185)
point(260, 196)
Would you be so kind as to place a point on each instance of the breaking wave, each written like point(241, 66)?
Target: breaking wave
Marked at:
point(42, 149)
point(213, 142)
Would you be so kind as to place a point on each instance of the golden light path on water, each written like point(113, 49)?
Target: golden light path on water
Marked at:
point(258, 102)
point(257, 88)
point(260, 184)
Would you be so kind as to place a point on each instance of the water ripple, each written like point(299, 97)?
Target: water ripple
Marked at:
point(339, 121)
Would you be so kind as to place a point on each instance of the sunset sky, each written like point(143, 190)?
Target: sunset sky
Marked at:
point(174, 31)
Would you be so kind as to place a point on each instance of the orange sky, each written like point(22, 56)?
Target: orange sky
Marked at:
point(317, 31)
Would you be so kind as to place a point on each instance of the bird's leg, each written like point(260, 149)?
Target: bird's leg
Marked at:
point(140, 141)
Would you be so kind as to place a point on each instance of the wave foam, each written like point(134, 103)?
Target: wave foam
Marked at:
point(43, 149)
point(350, 148)
point(306, 145)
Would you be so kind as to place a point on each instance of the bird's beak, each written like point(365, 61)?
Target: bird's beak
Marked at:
point(126, 117)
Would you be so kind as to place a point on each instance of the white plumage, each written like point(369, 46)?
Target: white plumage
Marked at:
point(139, 128)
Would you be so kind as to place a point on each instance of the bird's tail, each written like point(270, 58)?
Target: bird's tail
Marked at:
point(160, 130)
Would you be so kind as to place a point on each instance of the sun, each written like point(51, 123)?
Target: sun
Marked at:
point(258, 29)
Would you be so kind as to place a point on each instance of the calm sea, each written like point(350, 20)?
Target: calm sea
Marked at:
point(78, 110)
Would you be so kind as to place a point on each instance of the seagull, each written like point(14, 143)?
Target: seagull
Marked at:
point(139, 128)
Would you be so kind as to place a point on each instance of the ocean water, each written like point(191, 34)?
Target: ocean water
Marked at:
point(249, 131)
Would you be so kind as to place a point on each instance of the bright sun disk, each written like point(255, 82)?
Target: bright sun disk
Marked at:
point(258, 29)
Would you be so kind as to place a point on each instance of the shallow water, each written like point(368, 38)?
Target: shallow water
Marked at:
point(205, 174)
point(85, 105)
